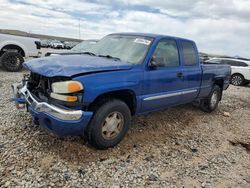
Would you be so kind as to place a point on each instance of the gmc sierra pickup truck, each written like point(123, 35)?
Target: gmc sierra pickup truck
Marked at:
point(96, 93)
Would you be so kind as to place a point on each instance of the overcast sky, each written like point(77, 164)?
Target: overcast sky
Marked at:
point(217, 26)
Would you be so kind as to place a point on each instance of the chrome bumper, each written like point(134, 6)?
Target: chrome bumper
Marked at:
point(52, 110)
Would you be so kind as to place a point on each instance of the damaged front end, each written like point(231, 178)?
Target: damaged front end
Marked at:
point(35, 91)
point(19, 98)
point(55, 103)
point(54, 91)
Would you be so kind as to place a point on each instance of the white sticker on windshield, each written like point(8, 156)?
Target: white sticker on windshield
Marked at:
point(142, 41)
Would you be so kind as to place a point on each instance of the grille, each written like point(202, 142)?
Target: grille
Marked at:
point(40, 86)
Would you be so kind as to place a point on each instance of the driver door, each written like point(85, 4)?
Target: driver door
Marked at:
point(163, 84)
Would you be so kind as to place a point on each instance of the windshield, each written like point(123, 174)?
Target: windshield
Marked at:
point(84, 46)
point(131, 49)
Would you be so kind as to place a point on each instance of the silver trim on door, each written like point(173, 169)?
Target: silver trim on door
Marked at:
point(169, 95)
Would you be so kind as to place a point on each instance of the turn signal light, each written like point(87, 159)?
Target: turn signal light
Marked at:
point(66, 98)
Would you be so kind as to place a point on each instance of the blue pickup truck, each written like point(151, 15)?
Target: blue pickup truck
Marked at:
point(95, 93)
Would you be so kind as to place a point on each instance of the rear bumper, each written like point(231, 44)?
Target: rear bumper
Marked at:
point(62, 122)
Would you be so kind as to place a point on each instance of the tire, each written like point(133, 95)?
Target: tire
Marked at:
point(12, 61)
point(109, 124)
point(237, 80)
point(211, 103)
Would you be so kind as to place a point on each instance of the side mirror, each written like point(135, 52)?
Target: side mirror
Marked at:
point(152, 64)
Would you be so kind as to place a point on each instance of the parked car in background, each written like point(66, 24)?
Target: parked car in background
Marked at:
point(69, 45)
point(57, 45)
point(124, 74)
point(45, 43)
point(240, 69)
point(82, 47)
point(13, 50)
point(203, 57)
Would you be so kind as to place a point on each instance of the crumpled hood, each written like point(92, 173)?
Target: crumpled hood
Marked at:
point(71, 65)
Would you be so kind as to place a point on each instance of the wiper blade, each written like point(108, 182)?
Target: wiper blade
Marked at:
point(89, 53)
point(110, 57)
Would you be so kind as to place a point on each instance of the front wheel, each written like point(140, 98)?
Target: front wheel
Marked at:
point(109, 124)
point(211, 102)
point(12, 61)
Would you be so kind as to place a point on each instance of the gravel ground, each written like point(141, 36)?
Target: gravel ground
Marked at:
point(178, 147)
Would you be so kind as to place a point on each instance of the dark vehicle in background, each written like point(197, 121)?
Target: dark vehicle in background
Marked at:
point(81, 47)
point(124, 74)
point(240, 69)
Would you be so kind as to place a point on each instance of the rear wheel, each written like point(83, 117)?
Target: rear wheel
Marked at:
point(237, 80)
point(12, 61)
point(109, 124)
point(211, 103)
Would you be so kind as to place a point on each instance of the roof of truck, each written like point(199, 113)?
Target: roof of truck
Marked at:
point(151, 35)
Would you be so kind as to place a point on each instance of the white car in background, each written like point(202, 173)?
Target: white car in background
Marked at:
point(57, 45)
point(13, 50)
point(240, 69)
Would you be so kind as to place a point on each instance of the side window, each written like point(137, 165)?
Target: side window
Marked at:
point(215, 61)
point(166, 54)
point(244, 64)
point(227, 62)
point(235, 63)
point(189, 53)
point(241, 64)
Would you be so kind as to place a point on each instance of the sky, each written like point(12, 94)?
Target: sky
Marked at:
point(217, 26)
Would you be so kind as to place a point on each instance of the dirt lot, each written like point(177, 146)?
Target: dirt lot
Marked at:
point(178, 147)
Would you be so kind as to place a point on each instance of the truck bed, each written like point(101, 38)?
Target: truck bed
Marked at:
point(212, 72)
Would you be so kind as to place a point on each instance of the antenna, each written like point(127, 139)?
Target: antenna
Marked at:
point(79, 28)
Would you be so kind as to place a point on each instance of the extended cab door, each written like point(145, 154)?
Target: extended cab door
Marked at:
point(192, 73)
point(162, 84)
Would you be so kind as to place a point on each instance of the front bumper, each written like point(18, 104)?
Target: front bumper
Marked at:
point(60, 121)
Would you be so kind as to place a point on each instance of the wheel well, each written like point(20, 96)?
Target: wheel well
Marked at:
point(12, 47)
point(128, 96)
point(220, 83)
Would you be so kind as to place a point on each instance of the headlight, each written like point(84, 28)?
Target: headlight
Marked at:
point(66, 98)
point(66, 87)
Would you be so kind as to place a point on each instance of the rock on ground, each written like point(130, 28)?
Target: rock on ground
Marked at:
point(178, 147)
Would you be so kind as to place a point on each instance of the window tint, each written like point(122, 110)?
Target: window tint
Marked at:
point(189, 53)
point(216, 61)
point(243, 64)
point(166, 54)
point(235, 63)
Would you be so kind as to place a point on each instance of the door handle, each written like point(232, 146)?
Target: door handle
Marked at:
point(180, 75)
